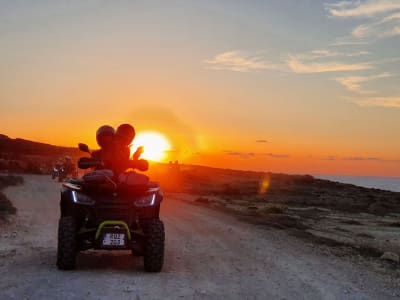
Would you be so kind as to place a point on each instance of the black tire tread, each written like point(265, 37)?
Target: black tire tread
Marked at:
point(154, 246)
point(66, 248)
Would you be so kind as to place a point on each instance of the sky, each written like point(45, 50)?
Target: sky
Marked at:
point(308, 86)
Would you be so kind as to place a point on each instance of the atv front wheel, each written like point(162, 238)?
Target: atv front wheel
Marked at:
point(154, 246)
point(66, 248)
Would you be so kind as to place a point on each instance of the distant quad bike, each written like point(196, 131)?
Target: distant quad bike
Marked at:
point(61, 174)
point(54, 173)
point(102, 214)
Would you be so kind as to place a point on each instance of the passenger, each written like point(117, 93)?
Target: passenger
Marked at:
point(123, 138)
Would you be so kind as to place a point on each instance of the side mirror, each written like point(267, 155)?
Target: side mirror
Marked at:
point(84, 147)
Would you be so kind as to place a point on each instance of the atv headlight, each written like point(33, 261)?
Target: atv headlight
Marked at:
point(81, 199)
point(147, 200)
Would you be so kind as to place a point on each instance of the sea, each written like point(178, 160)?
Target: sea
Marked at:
point(383, 183)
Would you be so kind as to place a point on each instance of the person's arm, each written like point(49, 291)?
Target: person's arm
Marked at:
point(137, 153)
point(140, 164)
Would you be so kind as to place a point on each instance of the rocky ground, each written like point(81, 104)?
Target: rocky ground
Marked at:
point(220, 244)
point(351, 220)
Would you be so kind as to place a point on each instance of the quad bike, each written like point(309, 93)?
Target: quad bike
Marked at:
point(61, 174)
point(54, 173)
point(102, 213)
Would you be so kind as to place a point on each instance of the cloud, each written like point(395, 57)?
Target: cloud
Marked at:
point(298, 66)
point(331, 157)
point(261, 141)
point(393, 32)
point(345, 9)
point(239, 61)
point(324, 53)
point(354, 83)
point(359, 158)
point(277, 155)
point(383, 20)
point(244, 155)
point(385, 27)
point(379, 101)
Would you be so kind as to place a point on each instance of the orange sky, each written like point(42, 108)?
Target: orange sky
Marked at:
point(269, 87)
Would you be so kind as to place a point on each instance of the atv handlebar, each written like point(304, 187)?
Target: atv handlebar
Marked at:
point(86, 163)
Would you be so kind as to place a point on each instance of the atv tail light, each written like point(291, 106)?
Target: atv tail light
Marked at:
point(147, 200)
point(81, 199)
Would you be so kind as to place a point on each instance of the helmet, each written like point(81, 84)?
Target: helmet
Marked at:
point(125, 133)
point(105, 135)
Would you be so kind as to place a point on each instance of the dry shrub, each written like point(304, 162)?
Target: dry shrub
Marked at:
point(6, 207)
point(7, 180)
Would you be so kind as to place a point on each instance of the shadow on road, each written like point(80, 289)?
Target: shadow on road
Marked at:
point(109, 260)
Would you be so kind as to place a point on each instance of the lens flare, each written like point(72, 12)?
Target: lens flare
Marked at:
point(264, 185)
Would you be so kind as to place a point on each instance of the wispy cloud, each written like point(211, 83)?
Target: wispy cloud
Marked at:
point(277, 155)
point(383, 19)
point(325, 53)
point(359, 158)
point(261, 141)
point(244, 155)
point(361, 8)
point(247, 155)
point(240, 61)
point(330, 157)
point(379, 101)
point(354, 83)
point(302, 66)
point(386, 27)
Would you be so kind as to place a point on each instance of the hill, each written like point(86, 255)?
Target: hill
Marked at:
point(20, 155)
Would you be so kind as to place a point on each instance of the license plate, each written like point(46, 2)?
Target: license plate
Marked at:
point(114, 239)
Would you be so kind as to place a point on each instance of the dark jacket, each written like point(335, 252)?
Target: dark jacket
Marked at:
point(116, 158)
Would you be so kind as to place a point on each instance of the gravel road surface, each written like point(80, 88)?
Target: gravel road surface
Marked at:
point(209, 255)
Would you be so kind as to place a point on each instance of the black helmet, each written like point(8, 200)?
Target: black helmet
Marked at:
point(125, 133)
point(105, 135)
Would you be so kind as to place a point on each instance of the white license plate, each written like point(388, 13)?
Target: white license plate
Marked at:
point(114, 239)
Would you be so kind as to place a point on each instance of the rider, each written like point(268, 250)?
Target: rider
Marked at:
point(69, 167)
point(123, 138)
point(105, 139)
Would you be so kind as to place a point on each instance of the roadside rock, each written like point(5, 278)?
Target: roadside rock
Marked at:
point(7, 252)
point(390, 256)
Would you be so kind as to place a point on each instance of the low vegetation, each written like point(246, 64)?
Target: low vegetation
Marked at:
point(346, 218)
point(6, 207)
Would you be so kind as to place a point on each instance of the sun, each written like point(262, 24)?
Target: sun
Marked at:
point(155, 145)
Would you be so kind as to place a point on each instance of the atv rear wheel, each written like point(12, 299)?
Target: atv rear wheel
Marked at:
point(154, 246)
point(66, 248)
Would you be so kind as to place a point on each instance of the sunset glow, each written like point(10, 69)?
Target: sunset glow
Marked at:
point(155, 145)
point(280, 86)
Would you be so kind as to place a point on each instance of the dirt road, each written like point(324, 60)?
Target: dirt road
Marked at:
point(209, 255)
